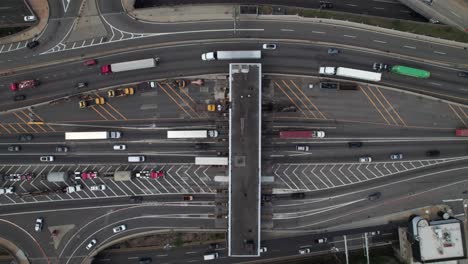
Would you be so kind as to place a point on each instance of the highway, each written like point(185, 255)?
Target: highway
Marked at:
point(397, 115)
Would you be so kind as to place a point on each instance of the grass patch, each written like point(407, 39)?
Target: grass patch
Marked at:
point(10, 30)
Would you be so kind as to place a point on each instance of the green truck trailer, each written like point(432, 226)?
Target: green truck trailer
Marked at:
point(412, 72)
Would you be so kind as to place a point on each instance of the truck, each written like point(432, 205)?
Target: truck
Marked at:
point(301, 134)
point(92, 135)
point(216, 161)
point(351, 73)
point(461, 132)
point(18, 86)
point(58, 176)
point(232, 55)
point(412, 72)
point(123, 176)
point(130, 65)
point(192, 133)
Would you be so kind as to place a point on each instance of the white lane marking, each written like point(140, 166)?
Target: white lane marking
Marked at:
point(379, 41)
point(287, 29)
point(455, 14)
point(165, 255)
point(438, 84)
point(409, 47)
point(65, 6)
point(349, 36)
point(351, 5)
point(132, 257)
point(191, 252)
point(379, 8)
point(385, 1)
point(452, 200)
point(318, 32)
point(463, 89)
point(405, 11)
point(439, 52)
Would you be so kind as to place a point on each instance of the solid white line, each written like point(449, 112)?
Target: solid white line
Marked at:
point(318, 32)
point(351, 5)
point(379, 41)
point(438, 84)
point(132, 257)
point(440, 52)
point(455, 14)
point(452, 200)
point(379, 8)
point(349, 36)
point(410, 47)
point(286, 29)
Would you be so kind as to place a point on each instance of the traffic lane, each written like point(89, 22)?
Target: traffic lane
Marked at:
point(400, 192)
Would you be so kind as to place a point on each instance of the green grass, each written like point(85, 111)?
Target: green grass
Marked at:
point(9, 31)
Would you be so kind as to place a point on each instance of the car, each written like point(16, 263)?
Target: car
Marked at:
point(304, 251)
point(214, 246)
point(302, 148)
point(62, 149)
point(120, 147)
point(119, 228)
point(20, 97)
point(326, 4)
point(329, 85)
point(202, 146)
point(136, 199)
point(145, 260)
point(188, 197)
point(90, 62)
point(156, 174)
point(432, 153)
point(73, 188)
point(121, 92)
point(319, 134)
point(263, 249)
point(25, 137)
point(143, 174)
point(47, 158)
point(91, 244)
point(7, 190)
point(85, 175)
point(354, 144)
point(32, 44)
point(333, 51)
point(374, 233)
point(267, 197)
point(365, 159)
point(374, 196)
point(396, 156)
point(311, 86)
point(463, 74)
point(153, 84)
point(39, 224)
point(77, 175)
point(321, 240)
point(29, 18)
point(81, 85)
point(434, 21)
point(100, 187)
point(14, 148)
point(269, 46)
point(298, 195)
point(380, 67)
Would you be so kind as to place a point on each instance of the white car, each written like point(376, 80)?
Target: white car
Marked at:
point(39, 223)
point(47, 158)
point(119, 228)
point(29, 18)
point(120, 147)
point(153, 84)
point(320, 134)
point(91, 244)
point(7, 190)
point(304, 251)
point(72, 189)
point(302, 148)
point(321, 240)
point(269, 46)
point(263, 249)
point(100, 187)
point(365, 159)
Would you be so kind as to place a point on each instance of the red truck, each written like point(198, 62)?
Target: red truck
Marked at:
point(23, 85)
point(301, 134)
point(461, 132)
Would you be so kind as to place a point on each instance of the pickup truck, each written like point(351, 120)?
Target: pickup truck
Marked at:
point(91, 101)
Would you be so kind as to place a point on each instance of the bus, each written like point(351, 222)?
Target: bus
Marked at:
point(92, 135)
point(192, 133)
point(412, 72)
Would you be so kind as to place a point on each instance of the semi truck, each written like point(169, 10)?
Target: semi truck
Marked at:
point(92, 135)
point(232, 55)
point(461, 132)
point(192, 133)
point(216, 161)
point(130, 65)
point(301, 134)
point(412, 72)
point(18, 86)
point(351, 73)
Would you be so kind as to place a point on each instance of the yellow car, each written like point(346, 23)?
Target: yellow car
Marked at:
point(92, 101)
point(120, 92)
point(211, 107)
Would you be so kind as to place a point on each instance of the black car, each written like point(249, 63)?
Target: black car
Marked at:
point(298, 195)
point(354, 144)
point(136, 199)
point(374, 196)
point(201, 146)
point(329, 85)
point(19, 97)
point(463, 74)
point(267, 197)
point(62, 149)
point(14, 148)
point(326, 4)
point(32, 44)
point(145, 260)
point(214, 246)
point(432, 153)
point(81, 85)
point(25, 137)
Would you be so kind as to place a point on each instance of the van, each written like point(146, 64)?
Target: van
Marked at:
point(136, 158)
point(211, 256)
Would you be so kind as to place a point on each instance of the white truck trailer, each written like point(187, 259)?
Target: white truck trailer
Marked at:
point(129, 65)
point(192, 133)
point(232, 55)
point(92, 135)
point(351, 73)
point(217, 161)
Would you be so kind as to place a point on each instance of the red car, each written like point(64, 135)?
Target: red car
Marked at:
point(88, 175)
point(156, 174)
point(90, 62)
point(23, 85)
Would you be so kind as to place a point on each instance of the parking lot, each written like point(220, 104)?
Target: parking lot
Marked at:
point(177, 179)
